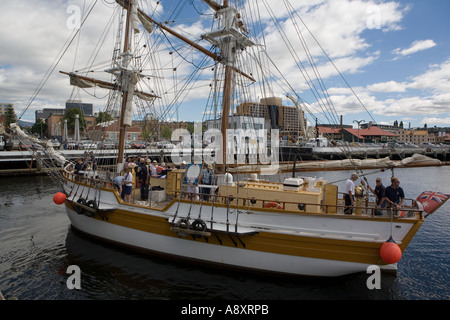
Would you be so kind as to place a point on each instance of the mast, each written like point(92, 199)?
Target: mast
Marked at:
point(122, 126)
point(226, 111)
point(229, 39)
point(126, 76)
point(226, 103)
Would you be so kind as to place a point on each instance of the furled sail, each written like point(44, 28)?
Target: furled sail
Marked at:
point(129, 81)
point(47, 145)
point(417, 160)
point(86, 82)
point(136, 16)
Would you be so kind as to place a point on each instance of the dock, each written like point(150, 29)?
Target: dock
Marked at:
point(24, 162)
point(291, 153)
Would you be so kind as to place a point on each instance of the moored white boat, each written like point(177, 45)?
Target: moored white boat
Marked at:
point(243, 236)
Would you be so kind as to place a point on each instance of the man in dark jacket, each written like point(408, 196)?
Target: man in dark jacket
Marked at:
point(394, 195)
point(379, 193)
point(143, 178)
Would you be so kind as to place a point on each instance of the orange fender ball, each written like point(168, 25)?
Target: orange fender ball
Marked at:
point(59, 198)
point(390, 252)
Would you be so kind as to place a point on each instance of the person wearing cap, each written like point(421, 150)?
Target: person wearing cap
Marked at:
point(349, 195)
point(183, 165)
point(379, 194)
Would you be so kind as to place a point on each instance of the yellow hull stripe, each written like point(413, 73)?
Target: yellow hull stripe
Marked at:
point(294, 245)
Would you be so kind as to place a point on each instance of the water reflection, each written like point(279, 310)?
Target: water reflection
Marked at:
point(111, 273)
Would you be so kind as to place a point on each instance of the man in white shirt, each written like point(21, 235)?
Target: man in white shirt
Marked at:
point(127, 184)
point(153, 168)
point(349, 195)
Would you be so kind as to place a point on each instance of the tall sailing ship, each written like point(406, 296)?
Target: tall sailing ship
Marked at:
point(296, 226)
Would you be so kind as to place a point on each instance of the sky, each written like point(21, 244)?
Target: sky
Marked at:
point(394, 54)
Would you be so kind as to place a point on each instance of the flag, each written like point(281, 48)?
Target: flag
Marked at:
point(431, 201)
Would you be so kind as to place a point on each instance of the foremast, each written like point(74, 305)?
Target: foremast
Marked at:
point(126, 76)
point(129, 81)
point(229, 38)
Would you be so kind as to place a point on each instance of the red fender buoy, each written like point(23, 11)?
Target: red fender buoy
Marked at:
point(273, 205)
point(390, 251)
point(59, 198)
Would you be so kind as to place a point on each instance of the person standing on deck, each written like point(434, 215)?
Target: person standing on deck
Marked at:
point(379, 193)
point(206, 180)
point(394, 194)
point(127, 184)
point(143, 178)
point(349, 195)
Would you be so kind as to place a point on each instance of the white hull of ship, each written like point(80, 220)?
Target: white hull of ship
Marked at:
point(333, 230)
point(213, 254)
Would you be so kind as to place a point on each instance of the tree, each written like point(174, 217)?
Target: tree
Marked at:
point(69, 115)
point(40, 128)
point(103, 117)
point(190, 127)
point(401, 124)
point(166, 133)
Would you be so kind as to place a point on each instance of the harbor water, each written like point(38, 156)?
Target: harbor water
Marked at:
point(37, 245)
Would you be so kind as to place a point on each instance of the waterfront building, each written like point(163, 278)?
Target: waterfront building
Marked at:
point(55, 125)
point(276, 115)
point(45, 113)
point(386, 127)
point(239, 122)
point(110, 131)
point(4, 107)
point(417, 137)
point(372, 134)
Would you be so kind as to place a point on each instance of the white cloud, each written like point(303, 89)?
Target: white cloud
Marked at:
point(436, 79)
point(338, 25)
point(390, 86)
point(444, 122)
point(434, 84)
point(415, 47)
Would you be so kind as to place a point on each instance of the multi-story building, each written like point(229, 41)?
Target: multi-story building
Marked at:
point(55, 125)
point(87, 108)
point(239, 122)
point(415, 136)
point(4, 107)
point(386, 127)
point(110, 131)
point(45, 113)
point(278, 116)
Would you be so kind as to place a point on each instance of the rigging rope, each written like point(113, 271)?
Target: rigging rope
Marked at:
point(56, 62)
